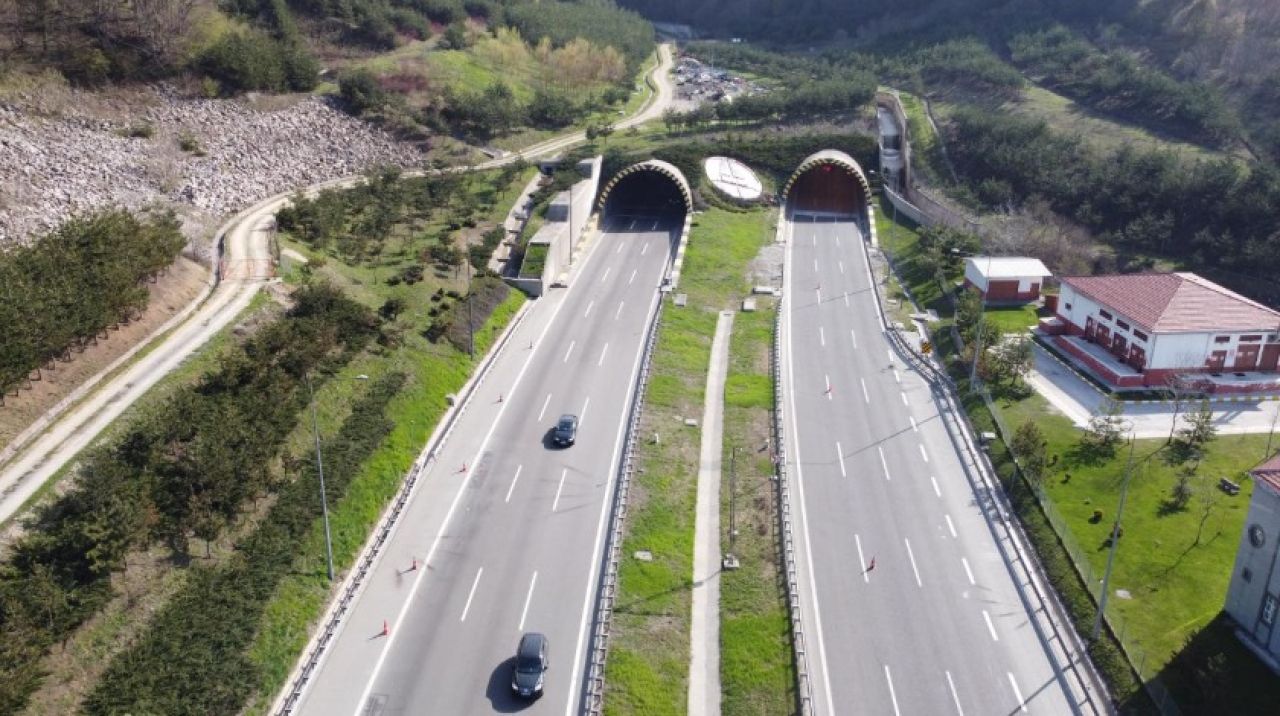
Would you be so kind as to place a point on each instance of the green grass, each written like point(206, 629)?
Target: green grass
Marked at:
point(648, 667)
point(1012, 319)
point(535, 260)
point(756, 669)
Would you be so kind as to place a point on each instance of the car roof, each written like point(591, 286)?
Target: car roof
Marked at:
point(568, 418)
point(531, 645)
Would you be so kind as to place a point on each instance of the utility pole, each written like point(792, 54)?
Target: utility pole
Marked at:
point(1272, 433)
point(471, 320)
point(1115, 541)
point(324, 500)
point(733, 496)
point(977, 342)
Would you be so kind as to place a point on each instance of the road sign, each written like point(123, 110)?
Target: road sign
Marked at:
point(926, 347)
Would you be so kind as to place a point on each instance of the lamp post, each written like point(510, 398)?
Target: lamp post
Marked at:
point(324, 499)
point(1115, 541)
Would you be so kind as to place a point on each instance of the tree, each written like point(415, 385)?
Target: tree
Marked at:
point(1199, 429)
point(1028, 446)
point(1106, 426)
point(361, 92)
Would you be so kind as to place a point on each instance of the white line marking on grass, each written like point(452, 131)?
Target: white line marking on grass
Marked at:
point(470, 595)
point(528, 598)
point(513, 483)
point(911, 555)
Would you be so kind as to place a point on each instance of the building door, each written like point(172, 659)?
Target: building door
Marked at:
point(1034, 291)
point(1246, 356)
point(1002, 290)
point(1089, 328)
point(1216, 360)
point(1270, 358)
point(1137, 357)
point(1118, 346)
point(1104, 336)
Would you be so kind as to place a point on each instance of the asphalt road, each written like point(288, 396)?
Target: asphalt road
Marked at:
point(521, 549)
point(910, 606)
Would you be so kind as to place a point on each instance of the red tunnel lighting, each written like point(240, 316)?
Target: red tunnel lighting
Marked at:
point(826, 167)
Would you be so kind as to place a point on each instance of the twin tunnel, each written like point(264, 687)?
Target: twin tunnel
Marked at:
point(828, 183)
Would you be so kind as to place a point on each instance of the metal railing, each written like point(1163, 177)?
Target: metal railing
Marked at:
point(608, 588)
point(804, 684)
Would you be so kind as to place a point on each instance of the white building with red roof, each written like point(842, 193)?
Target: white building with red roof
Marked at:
point(1253, 598)
point(1005, 279)
point(1135, 330)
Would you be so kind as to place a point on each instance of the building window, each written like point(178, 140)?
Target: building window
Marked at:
point(1068, 307)
point(1140, 335)
point(1222, 339)
point(1105, 314)
point(1269, 610)
point(1123, 325)
point(1250, 339)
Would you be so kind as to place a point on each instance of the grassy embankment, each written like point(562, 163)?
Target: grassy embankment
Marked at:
point(1174, 572)
point(648, 664)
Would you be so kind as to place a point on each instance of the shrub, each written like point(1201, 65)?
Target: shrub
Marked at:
point(360, 91)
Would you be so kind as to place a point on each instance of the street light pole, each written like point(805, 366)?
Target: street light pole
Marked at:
point(1115, 541)
point(324, 500)
point(977, 343)
point(733, 494)
point(471, 319)
point(1272, 433)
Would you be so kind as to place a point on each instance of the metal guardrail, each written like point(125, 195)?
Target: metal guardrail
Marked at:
point(369, 555)
point(804, 685)
point(608, 589)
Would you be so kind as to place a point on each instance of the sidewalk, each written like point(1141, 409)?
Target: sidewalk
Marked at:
point(704, 630)
point(1077, 399)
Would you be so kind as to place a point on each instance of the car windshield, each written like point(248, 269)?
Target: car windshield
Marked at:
point(566, 423)
point(528, 664)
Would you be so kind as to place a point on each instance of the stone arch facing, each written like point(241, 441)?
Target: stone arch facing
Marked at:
point(828, 182)
point(649, 169)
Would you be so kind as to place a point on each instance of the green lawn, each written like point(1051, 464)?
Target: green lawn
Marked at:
point(648, 666)
point(1012, 319)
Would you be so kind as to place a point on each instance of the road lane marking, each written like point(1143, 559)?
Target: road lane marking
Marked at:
point(883, 463)
point(936, 490)
point(912, 556)
point(865, 396)
point(815, 266)
point(904, 399)
point(513, 483)
point(862, 561)
point(527, 598)
point(827, 378)
point(991, 628)
point(619, 311)
point(644, 249)
point(471, 595)
point(619, 249)
point(954, 696)
point(582, 417)
point(818, 291)
point(924, 454)
point(846, 303)
point(633, 277)
point(1022, 703)
point(897, 377)
point(602, 353)
point(841, 266)
point(822, 336)
point(588, 311)
point(559, 488)
point(968, 572)
point(606, 274)
point(890, 354)
point(951, 526)
point(545, 403)
point(840, 457)
point(568, 351)
point(892, 696)
point(914, 428)
point(852, 334)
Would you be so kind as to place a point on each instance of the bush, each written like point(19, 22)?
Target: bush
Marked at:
point(360, 91)
point(252, 60)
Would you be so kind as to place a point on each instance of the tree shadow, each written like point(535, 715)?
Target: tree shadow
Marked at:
point(1086, 453)
point(630, 607)
point(1212, 673)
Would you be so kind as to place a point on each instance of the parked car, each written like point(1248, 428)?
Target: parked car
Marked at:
point(531, 665)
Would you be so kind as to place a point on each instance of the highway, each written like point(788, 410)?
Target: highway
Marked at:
point(520, 547)
point(909, 605)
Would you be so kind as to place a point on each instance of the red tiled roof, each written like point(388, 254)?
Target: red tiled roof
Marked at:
point(1269, 472)
point(1176, 302)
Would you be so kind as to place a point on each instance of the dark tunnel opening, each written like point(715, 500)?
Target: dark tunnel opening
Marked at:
point(828, 189)
point(646, 194)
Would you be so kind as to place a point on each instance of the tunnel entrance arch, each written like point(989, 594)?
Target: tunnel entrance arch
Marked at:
point(651, 189)
point(828, 183)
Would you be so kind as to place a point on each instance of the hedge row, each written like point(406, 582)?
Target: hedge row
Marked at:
point(184, 470)
point(192, 659)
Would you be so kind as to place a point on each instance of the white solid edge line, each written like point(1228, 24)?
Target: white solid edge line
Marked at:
point(453, 506)
point(951, 526)
point(991, 627)
point(514, 480)
point(955, 697)
point(1022, 703)
point(556, 502)
point(471, 595)
point(804, 517)
point(892, 695)
point(527, 598)
point(596, 556)
point(840, 457)
point(968, 572)
point(912, 556)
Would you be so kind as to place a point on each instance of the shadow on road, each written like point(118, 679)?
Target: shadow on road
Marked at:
point(499, 690)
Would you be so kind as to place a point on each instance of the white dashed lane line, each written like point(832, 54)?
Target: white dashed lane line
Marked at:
point(471, 595)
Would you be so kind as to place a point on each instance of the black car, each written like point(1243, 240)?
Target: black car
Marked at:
point(531, 666)
point(566, 432)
